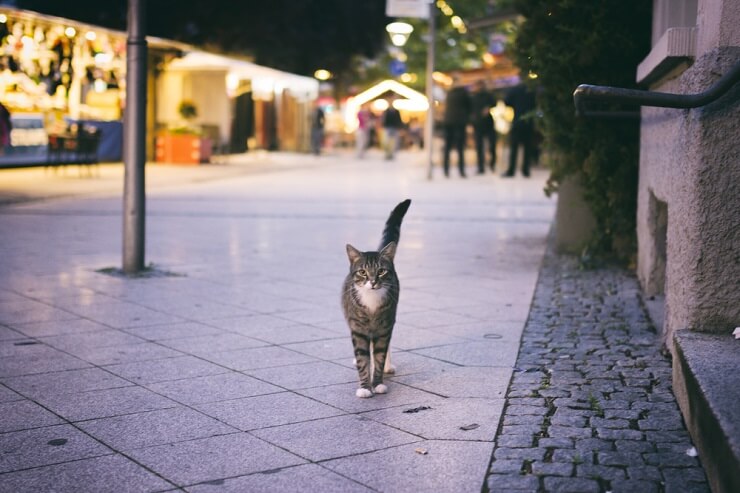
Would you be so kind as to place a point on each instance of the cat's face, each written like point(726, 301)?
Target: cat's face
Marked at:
point(372, 270)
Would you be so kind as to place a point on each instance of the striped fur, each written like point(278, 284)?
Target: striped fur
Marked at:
point(369, 301)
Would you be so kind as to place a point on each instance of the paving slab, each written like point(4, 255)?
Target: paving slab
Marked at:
point(49, 445)
point(284, 479)
point(154, 428)
point(448, 466)
point(214, 458)
point(334, 437)
point(64, 382)
point(107, 473)
point(93, 404)
point(213, 388)
point(265, 411)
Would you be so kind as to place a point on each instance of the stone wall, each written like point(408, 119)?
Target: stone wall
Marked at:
point(690, 167)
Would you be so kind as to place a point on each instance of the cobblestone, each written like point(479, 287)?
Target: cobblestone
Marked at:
point(595, 391)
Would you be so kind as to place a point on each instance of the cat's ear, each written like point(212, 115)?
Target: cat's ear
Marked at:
point(353, 253)
point(389, 251)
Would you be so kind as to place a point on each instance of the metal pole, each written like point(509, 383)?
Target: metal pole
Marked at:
point(429, 127)
point(134, 140)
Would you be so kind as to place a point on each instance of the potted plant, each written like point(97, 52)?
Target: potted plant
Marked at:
point(184, 143)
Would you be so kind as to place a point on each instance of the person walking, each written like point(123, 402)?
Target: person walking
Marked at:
point(392, 125)
point(5, 128)
point(521, 99)
point(317, 129)
point(362, 137)
point(485, 133)
point(455, 121)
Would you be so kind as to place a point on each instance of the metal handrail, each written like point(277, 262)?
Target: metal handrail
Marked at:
point(586, 92)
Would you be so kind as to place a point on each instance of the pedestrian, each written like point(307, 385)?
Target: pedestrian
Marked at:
point(455, 121)
point(392, 125)
point(364, 123)
point(521, 99)
point(5, 127)
point(416, 133)
point(485, 133)
point(317, 129)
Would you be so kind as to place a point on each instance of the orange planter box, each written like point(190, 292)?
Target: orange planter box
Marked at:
point(183, 149)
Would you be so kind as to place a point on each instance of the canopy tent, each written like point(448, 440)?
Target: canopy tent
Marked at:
point(265, 81)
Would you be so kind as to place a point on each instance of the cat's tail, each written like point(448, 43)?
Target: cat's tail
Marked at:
point(392, 230)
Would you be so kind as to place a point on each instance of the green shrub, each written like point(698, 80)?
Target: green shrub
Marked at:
point(571, 42)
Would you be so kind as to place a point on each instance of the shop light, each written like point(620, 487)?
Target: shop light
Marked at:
point(3, 18)
point(322, 74)
point(90, 36)
point(103, 58)
point(70, 32)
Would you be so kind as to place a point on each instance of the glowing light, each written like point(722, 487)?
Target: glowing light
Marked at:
point(408, 78)
point(70, 32)
point(103, 58)
point(3, 18)
point(90, 36)
point(456, 22)
point(441, 78)
point(399, 32)
point(322, 74)
point(532, 75)
point(380, 105)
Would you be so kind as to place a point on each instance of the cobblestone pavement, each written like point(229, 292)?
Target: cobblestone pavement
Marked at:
point(590, 407)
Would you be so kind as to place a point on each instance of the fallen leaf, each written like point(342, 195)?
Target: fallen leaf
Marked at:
point(416, 409)
point(421, 451)
point(469, 427)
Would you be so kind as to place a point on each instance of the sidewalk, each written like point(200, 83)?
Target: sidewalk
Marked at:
point(591, 406)
point(234, 372)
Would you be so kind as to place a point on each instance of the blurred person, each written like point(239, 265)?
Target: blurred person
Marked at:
point(485, 134)
point(5, 127)
point(392, 125)
point(416, 133)
point(455, 121)
point(364, 124)
point(521, 99)
point(317, 129)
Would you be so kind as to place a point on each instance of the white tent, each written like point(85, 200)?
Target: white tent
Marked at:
point(265, 81)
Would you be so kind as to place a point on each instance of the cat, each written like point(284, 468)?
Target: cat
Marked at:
point(369, 301)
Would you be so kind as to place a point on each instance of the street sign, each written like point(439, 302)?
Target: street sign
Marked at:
point(397, 67)
point(407, 8)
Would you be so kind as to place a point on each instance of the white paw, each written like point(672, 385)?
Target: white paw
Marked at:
point(363, 393)
point(380, 389)
point(390, 369)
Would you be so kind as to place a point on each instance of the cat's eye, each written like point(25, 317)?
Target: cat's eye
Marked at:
point(382, 272)
point(362, 272)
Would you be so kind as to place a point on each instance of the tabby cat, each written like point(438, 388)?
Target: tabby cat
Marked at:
point(369, 300)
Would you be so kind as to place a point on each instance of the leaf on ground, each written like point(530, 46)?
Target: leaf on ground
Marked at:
point(421, 451)
point(416, 409)
point(469, 427)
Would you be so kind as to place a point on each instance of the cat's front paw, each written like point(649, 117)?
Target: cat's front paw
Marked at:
point(380, 389)
point(363, 393)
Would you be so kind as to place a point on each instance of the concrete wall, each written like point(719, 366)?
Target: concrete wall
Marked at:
point(690, 167)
